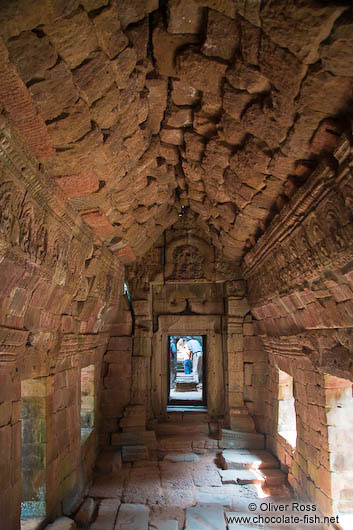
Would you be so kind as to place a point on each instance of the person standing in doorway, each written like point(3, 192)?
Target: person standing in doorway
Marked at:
point(173, 362)
point(186, 355)
point(196, 351)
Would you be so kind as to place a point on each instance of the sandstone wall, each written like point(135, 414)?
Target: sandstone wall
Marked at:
point(59, 297)
point(319, 465)
point(299, 278)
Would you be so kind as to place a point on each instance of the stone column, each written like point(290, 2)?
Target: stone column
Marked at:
point(238, 307)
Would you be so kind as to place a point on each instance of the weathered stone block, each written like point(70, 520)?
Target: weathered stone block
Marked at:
point(199, 71)
point(134, 10)
point(165, 47)
point(94, 77)
point(123, 66)
point(172, 136)
point(222, 36)
point(99, 222)
point(157, 102)
point(109, 35)
point(74, 38)
point(63, 523)
point(55, 93)
point(32, 56)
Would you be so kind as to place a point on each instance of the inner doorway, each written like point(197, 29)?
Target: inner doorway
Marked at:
point(187, 365)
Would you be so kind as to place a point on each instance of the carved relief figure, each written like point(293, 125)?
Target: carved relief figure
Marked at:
point(188, 262)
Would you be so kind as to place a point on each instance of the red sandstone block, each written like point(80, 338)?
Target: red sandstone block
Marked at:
point(67, 324)
point(126, 254)
point(17, 101)
point(58, 301)
point(306, 297)
point(41, 294)
point(252, 342)
point(49, 321)
point(11, 275)
point(99, 222)
point(341, 292)
point(13, 321)
point(336, 382)
point(120, 343)
point(326, 137)
point(78, 184)
point(91, 308)
point(13, 337)
point(123, 328)
point(5, 457)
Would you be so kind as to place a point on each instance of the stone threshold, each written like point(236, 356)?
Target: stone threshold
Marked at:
point(186, 408)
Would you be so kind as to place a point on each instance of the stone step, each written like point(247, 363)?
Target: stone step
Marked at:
point(187, 429)
point(106, 517)
point(131, 453)
point(241, 476)
point(205, 517)
point(243, 459)
point(197, 444)
point(132, 517)
point(85, 513)
point(147, 438)
point(164, 525)
point(63, 523)
point(186, 386)
point(181, 457)
point(170, 428)
point(241, 440)
point(242, 423)
point(273, 477)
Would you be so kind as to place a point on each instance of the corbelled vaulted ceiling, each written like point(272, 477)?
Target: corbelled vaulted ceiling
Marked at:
point(138, 108)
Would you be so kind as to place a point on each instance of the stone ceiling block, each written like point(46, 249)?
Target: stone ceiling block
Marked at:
point(56, 93)
point(123, 66)
point(281, 67)
point(94, 77)
point(222, 36)
point(99, 222)
point(110, 37)
point(183, 94)
point(157, 102)
point(199, 71)
point(31, 56)
point(105, 111)
point(165, 47)
point(299, 27)
point(185, 17)
point(73, 38)
point(78, 184)
point(134, 10)
point(73, 125)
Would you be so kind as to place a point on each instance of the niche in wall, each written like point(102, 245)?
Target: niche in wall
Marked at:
point(287, 423)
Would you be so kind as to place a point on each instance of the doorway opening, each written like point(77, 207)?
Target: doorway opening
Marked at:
point(187, 365)
point(287, 419)
point(34, 444)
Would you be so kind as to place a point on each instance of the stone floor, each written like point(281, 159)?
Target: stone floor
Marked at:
point(185, 490)
point(187, 396)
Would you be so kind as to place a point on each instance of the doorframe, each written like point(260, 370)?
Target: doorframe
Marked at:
point(183, 325)
point(191, 403)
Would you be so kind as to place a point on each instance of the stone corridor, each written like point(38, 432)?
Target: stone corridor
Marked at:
point(175, 170)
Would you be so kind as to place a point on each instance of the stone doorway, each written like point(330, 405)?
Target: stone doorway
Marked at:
point(209, 328)
point(187, 371)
